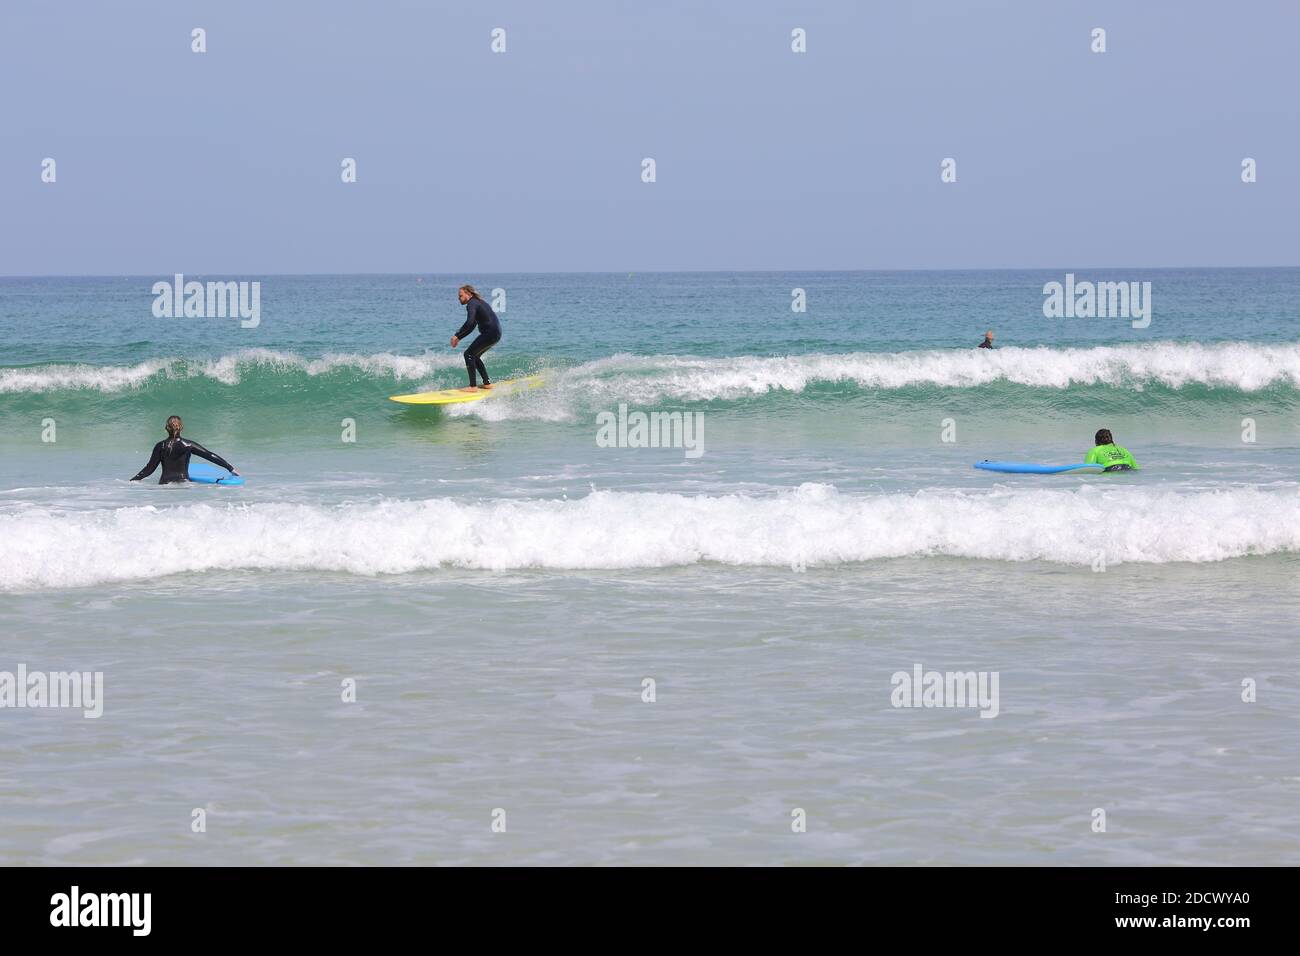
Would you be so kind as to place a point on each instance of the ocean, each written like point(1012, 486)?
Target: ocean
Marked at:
point(489, 634)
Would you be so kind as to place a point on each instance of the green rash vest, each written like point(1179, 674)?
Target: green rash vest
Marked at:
point(1108, 455)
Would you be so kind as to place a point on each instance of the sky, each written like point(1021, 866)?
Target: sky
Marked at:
point(229, 161)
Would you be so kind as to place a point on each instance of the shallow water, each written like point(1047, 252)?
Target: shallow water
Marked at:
point(522, 691)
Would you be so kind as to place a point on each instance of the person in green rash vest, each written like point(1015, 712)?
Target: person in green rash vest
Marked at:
point(1107, 453)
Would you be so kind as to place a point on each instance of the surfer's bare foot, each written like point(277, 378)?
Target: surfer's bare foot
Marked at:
point(470, 388)
point(485, 386)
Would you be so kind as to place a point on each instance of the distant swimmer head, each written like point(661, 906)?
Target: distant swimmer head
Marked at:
point(468, 292)
point(1103, 437)
point(174, 426)
point(989, 335)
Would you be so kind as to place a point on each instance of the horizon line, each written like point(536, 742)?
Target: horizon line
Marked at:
point(632, 272)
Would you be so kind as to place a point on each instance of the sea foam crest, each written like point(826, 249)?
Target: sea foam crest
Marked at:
point(1231, 365)
point(813, 525)
point(1235, 365)
point(228, 370)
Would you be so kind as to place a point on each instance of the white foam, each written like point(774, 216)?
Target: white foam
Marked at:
point(644, 379)
point(648, 380)
point(1244, 366)
point(107, 378)
point(228, 369)
point(813, 524)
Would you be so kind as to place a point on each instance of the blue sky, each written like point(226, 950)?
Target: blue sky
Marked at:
point(229, 161)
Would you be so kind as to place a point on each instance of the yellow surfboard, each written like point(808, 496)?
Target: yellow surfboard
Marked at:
point(454, 396)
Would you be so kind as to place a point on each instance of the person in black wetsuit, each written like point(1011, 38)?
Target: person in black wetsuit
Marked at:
point(988, 340)
point(478, 314)
point(174, 452)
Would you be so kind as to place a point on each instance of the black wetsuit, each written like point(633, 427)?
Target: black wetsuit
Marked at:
point(478, 314)
point(986, 344)
point(174, 456)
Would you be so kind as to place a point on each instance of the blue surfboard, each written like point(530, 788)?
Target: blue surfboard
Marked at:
point(209, 474)
point(1029, 468)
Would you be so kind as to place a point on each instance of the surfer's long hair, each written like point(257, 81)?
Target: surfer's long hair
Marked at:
point(1103, 437)
point(179, 426)
point(473, 292)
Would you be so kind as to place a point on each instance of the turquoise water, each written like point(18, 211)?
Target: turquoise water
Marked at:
point(499, 583)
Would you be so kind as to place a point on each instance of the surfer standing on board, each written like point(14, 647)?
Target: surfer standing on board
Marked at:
point(478, 314)
point(174, 452)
